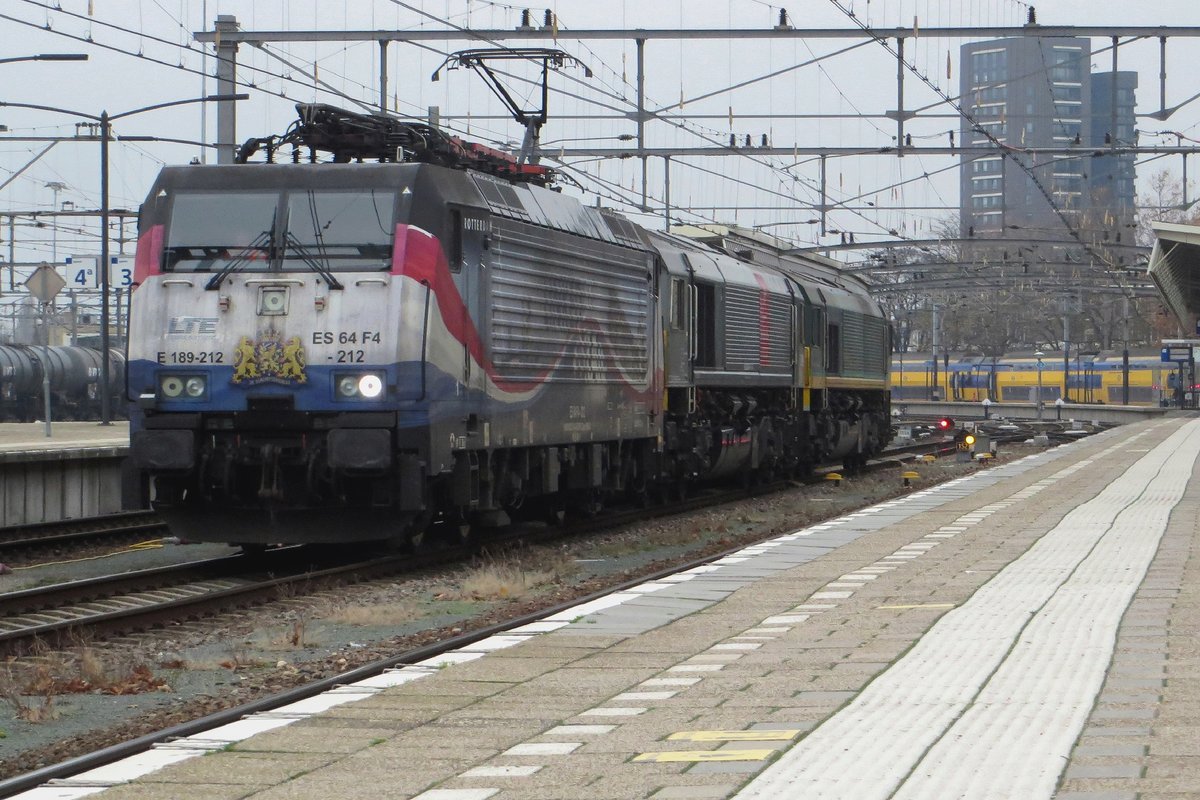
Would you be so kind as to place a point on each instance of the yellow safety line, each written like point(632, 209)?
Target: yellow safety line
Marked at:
point(150, 545)
point(736, 736)
point(706, 756)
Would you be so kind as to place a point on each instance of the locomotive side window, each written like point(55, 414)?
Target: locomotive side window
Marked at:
point(678, 303)
point(833, 349)
point(210, 229)
point(341, 231)
point(706, 325)
point(456, 241)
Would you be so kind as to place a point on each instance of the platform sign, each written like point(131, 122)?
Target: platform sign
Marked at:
point(120, 274)
point(81, 272)
point(1176, 353)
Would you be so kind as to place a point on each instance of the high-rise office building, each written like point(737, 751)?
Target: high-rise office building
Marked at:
point(1033, 92)
point(1113, 122)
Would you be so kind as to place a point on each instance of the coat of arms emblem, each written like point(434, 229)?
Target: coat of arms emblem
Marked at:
point(269, 359)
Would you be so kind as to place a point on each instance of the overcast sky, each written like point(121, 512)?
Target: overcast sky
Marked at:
point(142, 53)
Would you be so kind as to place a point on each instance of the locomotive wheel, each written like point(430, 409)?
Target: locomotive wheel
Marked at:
point(253, 550)
point(555, 514)
point(591, 503)
point(639, 493)
point(456, 529)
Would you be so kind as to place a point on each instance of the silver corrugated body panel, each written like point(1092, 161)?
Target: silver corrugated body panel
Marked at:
point(744, 335)
point(572, 312)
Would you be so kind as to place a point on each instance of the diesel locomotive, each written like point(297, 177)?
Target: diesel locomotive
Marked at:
point(397, 327)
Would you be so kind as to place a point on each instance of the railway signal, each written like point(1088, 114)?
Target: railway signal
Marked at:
point(945, 425)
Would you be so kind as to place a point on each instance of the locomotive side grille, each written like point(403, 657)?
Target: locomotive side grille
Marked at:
point(747, 346)
point(853, 362)
point(567, 309)
point(864, 345)
point(500, 197)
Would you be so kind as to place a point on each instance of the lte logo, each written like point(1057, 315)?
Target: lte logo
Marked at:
point(192, 326)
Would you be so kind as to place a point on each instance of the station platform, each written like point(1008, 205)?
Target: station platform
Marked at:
point(1027, 632)
point(75, 472)
point(30, 437)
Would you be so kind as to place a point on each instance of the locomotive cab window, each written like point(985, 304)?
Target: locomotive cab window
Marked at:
point(341, 231)
point(244, 231)
point(211, 229)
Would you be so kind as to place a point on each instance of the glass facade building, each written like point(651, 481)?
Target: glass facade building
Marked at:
point(1025, 93)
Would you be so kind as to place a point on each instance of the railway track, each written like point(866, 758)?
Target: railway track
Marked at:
point(44, 535)
point(99, 607)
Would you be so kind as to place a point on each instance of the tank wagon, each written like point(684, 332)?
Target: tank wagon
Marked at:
point(342, 351)
point(74, 374)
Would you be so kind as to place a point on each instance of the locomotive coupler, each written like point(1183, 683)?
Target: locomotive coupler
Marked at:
point(269, 488)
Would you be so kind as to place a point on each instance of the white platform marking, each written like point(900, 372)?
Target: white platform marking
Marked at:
point(500, 772)
point(543, 749)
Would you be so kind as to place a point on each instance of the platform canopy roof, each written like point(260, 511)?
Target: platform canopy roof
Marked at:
point(1175, 269)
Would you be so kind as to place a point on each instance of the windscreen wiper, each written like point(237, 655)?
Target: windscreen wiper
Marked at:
point(306, 256)
point(261, 242)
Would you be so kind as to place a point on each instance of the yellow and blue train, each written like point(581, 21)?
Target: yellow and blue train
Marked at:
point(1014, 378)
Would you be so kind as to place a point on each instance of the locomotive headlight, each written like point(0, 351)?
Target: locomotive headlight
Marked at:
point(183, 387)
point(359, 386)
point(272, 302)
point(370, 386)
point(171, 385)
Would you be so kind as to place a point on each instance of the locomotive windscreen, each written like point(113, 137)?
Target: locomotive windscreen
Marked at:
point(338, 231)
point(349, 230)
point(210, 229)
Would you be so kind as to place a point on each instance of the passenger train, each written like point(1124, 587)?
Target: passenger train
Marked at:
point(1088, 378)
point(422, 329)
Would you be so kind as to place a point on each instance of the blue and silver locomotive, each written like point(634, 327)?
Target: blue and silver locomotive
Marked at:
point(339, 351)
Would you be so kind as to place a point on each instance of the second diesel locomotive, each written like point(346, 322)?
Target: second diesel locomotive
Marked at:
point(326, 352)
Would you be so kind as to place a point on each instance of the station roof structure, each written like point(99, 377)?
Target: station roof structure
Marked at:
point(1175, 269)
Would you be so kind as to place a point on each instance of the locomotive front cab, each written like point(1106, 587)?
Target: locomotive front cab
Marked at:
point(264, 375)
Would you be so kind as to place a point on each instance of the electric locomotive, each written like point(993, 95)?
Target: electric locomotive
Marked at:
point(326, 352)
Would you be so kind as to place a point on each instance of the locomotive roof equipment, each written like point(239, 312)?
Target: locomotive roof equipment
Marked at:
point(350, 136)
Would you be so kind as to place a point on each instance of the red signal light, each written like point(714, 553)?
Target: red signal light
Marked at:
point(945, 424)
